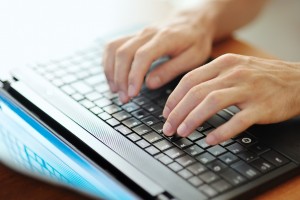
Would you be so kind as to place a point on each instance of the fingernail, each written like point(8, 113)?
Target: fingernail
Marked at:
point(166, 112)
point(155, 81)
point(131, 90)
point(167, 128)
point(211, 139)
point(182, 129)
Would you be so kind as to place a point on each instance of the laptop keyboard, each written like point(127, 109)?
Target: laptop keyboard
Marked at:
point(211, 169)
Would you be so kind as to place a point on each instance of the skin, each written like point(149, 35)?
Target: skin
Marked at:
point(265, 90)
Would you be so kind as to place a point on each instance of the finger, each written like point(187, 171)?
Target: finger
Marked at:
point(190, 102)
point(237, 124)
point(197, 76)
point(109, 60)
point(123, 61)
point(157, 47)
point(212, 103)
point(169, 70)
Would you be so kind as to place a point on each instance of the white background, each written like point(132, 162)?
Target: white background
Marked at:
point(35, 30)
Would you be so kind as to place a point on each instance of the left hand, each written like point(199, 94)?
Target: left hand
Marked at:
point(266, 91)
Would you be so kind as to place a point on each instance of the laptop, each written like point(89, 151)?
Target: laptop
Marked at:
point(60, 122)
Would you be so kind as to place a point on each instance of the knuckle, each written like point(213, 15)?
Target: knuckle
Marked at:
point(186, 80)
point(167, 32)
point(239, 72)
point(148, 30)
point(214, 98)
point(122, 53)
point(141, 53)
point(229, 58)
point(196, 92)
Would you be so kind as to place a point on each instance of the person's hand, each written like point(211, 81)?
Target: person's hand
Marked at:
point(266, 91)
point(185, 40)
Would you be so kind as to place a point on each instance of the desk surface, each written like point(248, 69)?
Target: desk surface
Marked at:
point(17, 186)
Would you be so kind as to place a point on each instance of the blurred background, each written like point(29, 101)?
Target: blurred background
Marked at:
point(34, 30)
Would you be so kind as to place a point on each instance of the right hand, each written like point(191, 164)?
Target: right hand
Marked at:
point(185, 40)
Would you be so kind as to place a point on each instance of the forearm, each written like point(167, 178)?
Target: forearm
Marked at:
point(222, 17)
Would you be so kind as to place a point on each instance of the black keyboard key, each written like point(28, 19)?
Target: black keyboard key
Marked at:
point(141, 100)
point(175, 167)
point(142, 129)
point(183, 143)
point(262, 165)
point(110, 95)
point(96, 110)
point(205, 126)
point(216, 166)
point(123, 129)
point(150, 120)
point(228, 158)
point(224, 114)
point(275, 158)
point(131, 122)
point(216, 121)
point(193, 150)
point(104, 116)
point(216, 150)
point(152, 150)
point(202, 143)
point(208, 131)
point(163, 145)
point(122, 115)
point(158, 128)
point(113, 122)
point(87, 103)
point(103, 102)
point(221, 185)
point(152, 137)
point(209, 177)
point(165, 159)
point(208, 191)
point(236, 148)
point(247, 156)
point(143, 143)
point(232, 177)
point(111, 109)
point(195, 181)
point(195, 135)
point(259, 148)
point(130, 107)
point(227, 142)
point(245, 169)
point(140, 114)
point(162, 101)
point(185, 160)
point(117, 101)
point(158, 115)
point(185, 174)
point(93, 96)
point(246, 140)
point(134, 137)
point(174, 152)
point(205, 158)
point(151, 108)
point(196, 168)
